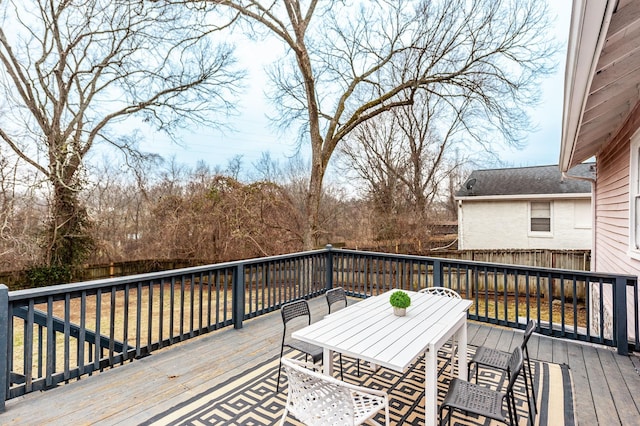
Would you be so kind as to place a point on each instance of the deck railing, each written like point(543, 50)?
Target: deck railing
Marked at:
point(60, 333)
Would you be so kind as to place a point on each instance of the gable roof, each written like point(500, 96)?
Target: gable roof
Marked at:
point(601, 76)
point(539, 180)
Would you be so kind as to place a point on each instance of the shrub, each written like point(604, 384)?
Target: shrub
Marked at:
point(400, 299)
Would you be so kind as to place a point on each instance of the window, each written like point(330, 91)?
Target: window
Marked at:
point(634, 195)
point(540, 216)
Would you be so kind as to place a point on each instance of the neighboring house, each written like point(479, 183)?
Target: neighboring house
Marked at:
point(525, 208)
point(601, 118)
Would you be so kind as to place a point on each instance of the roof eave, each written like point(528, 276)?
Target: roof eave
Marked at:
point(571, 195)
point(583, 51)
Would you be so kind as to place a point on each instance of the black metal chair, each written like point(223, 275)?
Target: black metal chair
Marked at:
point(289, 311)
point(338, 295)
point(499, 360)
point(477, 399)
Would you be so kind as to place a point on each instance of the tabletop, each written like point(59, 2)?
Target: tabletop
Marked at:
point(369, 330)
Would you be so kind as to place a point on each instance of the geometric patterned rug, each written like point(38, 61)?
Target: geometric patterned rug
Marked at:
point(251, 399)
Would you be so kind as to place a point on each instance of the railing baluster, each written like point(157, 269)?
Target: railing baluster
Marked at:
point(138, 318)
point(51, 339)
point(67, 332)
point(192, 306)
point(6, 324)
point(172, 309)
point(97, 348)
point(82, 334)
point(182, 313)
point(112, 325)
point(125, 323)
point(161, 314)
point(149, 286)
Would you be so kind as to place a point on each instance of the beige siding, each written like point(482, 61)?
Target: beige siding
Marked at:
point(505, 225)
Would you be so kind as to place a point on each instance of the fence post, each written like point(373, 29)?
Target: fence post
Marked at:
point(329, 269)
point(437, 274)
point(237, 297)
point(620, 315)
point(4, 344)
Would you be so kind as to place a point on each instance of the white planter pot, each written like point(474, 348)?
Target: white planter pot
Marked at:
point(400, 311)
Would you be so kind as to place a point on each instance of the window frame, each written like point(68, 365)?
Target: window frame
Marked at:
point(532, 233)
point(634, 195)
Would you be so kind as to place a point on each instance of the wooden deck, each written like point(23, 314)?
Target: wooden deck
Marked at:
point(607, 386)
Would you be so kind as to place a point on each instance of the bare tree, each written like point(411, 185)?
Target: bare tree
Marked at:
point(348, 62)
point(405, 158)
point(20, 210)
point(73, 72)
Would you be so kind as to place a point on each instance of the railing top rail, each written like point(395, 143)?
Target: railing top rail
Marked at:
point(555, 271)
point(30, 293)
point(153, 276)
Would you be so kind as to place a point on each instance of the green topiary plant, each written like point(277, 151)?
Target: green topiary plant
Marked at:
point(400, 299)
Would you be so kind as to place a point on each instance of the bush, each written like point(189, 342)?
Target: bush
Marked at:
point(400, 299)
point(42, 276)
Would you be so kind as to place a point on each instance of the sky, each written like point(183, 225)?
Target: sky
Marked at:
point(252, 134)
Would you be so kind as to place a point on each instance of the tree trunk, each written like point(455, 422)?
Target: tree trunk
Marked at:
point(68, 242)
point(310, 236)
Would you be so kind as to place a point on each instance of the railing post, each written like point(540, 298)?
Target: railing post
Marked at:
point(437, 273)
point(620, 315)
point(4, 344)
point(237, 297)
point(329, 270)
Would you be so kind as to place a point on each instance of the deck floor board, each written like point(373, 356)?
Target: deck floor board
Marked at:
point(606, 385)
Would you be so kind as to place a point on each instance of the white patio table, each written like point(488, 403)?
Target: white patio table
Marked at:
point(369, 330)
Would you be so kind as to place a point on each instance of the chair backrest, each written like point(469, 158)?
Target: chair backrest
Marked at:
point(514, 366)
point(440, 291)
point(296, 309)
point(527, 333)
point(315, 398)
point(336, 295)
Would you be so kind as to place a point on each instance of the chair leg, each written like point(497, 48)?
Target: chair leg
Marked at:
point(533, 390)
point(279, 371)
point(509, 410)
point(511, 406)
point(284, 416)
point(526, 387)
point(442, 407)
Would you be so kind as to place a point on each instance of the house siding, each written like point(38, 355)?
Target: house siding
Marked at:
point(611, 233)
point(505, 225)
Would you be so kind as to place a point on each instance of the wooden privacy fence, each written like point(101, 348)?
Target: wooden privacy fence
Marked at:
point(579, 260)
point(484, 279)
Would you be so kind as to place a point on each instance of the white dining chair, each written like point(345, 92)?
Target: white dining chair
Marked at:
point(316, 399)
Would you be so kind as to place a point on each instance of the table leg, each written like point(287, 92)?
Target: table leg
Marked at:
point(431, 386)
point(461, 337)
point(327, 362)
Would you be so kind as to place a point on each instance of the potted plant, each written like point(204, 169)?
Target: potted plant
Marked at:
point(400, 302)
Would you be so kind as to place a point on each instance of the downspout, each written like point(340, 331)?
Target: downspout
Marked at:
point(461, 239)
point(593, 213)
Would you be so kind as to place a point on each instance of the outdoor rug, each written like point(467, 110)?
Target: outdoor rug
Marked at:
point(251, 399)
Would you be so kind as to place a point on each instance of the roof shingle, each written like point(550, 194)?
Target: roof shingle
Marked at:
point(527, 180)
